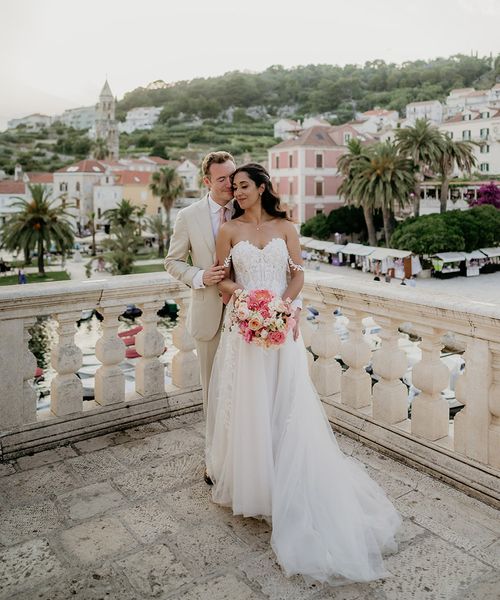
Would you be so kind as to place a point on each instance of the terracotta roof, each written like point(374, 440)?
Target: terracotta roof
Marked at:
point(422, 102)
point(40, 177)
point(8, 186)
point(378, 112)
point(160, 161)
point(316, 136)
point(84, 166)
point(133, 177)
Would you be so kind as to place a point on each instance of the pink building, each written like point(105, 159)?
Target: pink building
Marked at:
point(304, 172)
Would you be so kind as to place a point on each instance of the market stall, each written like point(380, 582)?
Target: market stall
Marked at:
point(492, 263)
point(447, 264)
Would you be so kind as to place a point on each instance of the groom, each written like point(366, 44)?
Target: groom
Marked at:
point(191, 258)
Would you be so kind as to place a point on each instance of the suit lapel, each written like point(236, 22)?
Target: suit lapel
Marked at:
point(205, 224)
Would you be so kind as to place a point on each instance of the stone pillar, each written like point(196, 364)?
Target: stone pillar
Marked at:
point(305, 327)
point(325, 344)
point(29, 367)
point(66, 389)
point(494, 405)
point(390, 396)
point(355, 382)
point(430, 411)
point(110, 350)
point(185, 366)
point(150, 343)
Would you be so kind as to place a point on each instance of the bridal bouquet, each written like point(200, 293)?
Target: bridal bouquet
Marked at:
point(262, 317)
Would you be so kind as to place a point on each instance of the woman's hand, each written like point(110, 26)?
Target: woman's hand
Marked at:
point(296, 327)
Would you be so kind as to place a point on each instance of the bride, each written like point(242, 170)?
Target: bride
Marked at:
point(270, 450)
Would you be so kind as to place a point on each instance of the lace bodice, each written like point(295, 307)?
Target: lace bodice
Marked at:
point(262, 268)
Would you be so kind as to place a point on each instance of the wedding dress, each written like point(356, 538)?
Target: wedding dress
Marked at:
point(272, 454)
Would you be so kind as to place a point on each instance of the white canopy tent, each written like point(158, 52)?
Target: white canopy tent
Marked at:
point(490, 252)
point(358, 249)
point(381, 253)
point(447, 257)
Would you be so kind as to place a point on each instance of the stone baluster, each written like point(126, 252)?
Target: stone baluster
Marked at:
point(355, 382)
point(390, 396)
point(430, 411)
point(29, 367)
point(110, 350)
point(325, 344)
point(460, 420)
point(66, 388)
point(185, 366)
point(494, 406)
point(150, 343)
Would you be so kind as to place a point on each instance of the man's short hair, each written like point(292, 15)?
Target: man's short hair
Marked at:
point(211, 158)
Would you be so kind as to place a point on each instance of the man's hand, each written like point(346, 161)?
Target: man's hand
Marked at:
point(296, 327)
point(214, 275)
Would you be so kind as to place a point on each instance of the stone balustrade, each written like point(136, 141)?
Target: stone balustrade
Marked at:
point(465, 451)
point(23, 429)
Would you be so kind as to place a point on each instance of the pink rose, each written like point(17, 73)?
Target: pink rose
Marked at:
point(276, 337)
point(248, 335)
point(255, 322)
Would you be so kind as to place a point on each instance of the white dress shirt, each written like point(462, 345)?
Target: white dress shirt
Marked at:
point(214, 209)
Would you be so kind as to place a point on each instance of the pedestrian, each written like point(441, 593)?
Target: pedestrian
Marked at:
point(21, 276)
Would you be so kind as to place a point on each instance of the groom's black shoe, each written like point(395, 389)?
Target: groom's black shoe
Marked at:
point(207, 479)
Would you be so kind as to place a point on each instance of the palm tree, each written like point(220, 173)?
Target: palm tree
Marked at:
point(123, 214)
point(380, 177)
point(91, 224)
point(346, 165)
point(37, 225)
point(157, 227)
point(100, 149)
point(423, 144)
point(168, 186)
point(460, 153)
point(122, 248)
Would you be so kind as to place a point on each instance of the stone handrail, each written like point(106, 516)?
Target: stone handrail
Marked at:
point(23, 428)
point(379, 414)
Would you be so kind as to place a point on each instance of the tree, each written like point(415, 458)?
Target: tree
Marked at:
point(122, 248)
point(316, 227)
point(37, 225)
point(380, 176)
point(168, 186)
point(123, 214)
point(157, 227)
point(453, 152)
point(423, 144)
point(91, 225)
point(100, 149)
point(488, 194)
point(347, 166)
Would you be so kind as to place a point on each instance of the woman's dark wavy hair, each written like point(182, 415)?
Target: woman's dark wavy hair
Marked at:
point(270, 200)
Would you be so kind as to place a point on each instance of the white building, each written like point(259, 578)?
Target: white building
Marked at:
point(482, 127)
point(10, 192)
point(143, 117)
point(33, 122)
point(107, 194)
point(286, 129)
point(78, 118)
point(468, 98)
point(189, 172)
point(430, 110)
point(75, 185)
point(376, 120)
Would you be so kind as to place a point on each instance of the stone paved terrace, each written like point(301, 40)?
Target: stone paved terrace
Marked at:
point(127, 516)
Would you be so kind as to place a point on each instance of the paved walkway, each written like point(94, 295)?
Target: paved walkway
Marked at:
point(127, 516)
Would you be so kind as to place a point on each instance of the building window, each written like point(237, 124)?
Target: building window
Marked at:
point(107, 179)
point(485, 148)
point(466, 117)
point(466, 134)
point(318, 188)
point(99, 212)
point(319, 211)
point(347, 138)
point(290, 188)
point(484, 133)
point(63, 187)
point(277, 162)
point(484, 167)
point(290, 161)
point(449, 135)
point(319, 161)
point(63, 202)
point(485, 115)
point(77, 186)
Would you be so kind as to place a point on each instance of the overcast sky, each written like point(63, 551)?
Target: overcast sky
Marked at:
point(56, 54)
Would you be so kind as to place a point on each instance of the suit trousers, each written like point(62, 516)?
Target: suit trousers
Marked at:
point(206, 354)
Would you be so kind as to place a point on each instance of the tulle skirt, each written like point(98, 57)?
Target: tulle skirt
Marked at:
point(272, 454)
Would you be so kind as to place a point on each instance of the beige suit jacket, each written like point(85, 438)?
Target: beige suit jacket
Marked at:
point(193, 237)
